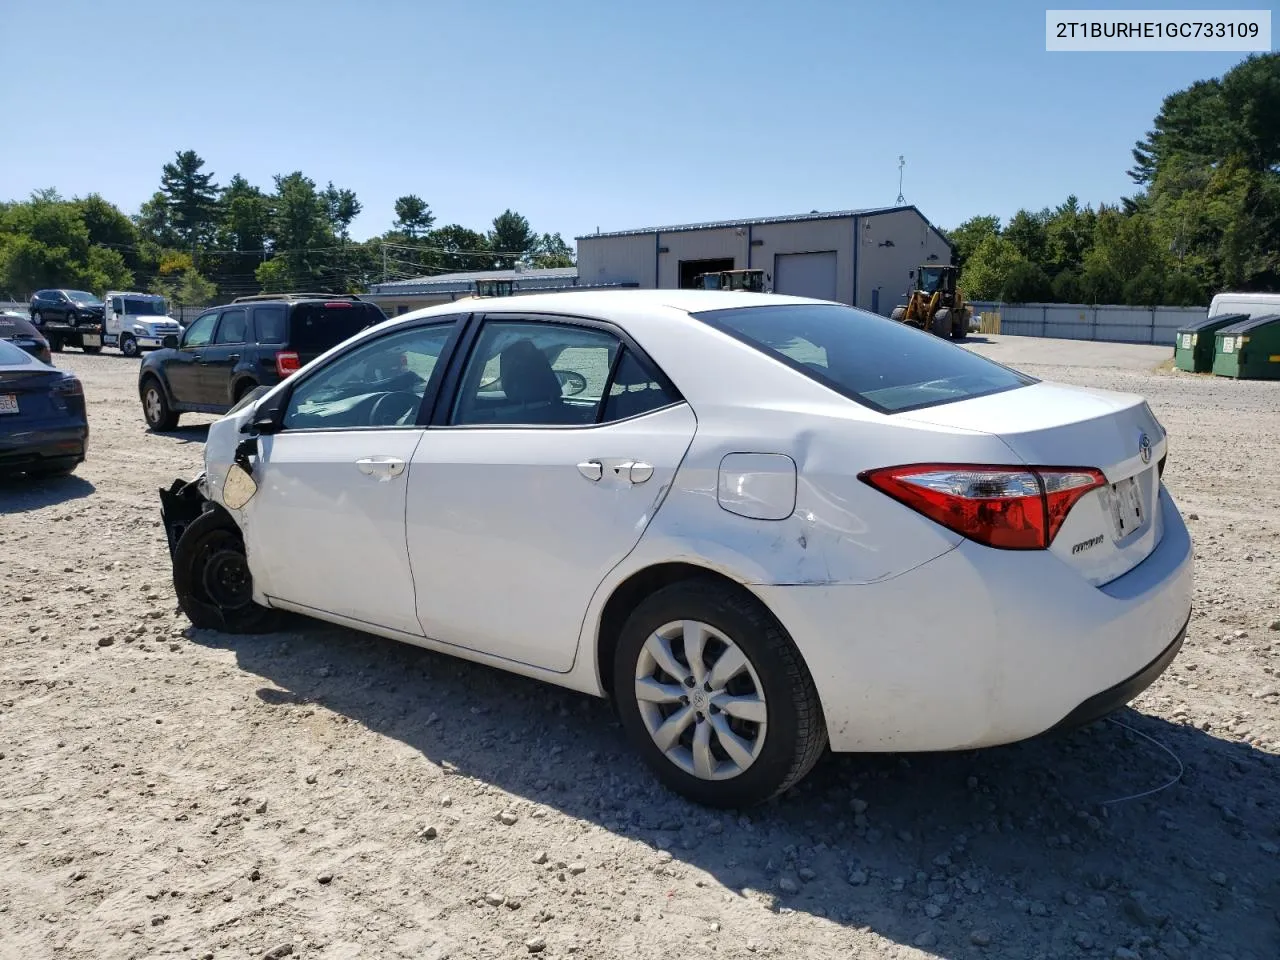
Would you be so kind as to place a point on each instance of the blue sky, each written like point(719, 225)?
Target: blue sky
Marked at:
point(582, 115)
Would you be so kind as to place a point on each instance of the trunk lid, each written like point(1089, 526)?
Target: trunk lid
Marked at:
point(1112, 528)
point(28, 395)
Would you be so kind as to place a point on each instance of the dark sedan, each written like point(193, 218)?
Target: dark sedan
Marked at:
point(19, 331)
point(43, 428)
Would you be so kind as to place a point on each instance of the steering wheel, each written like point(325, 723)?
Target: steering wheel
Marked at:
point(390, 409)
point(572, 383)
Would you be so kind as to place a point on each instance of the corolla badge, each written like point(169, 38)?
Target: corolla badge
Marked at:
point(1144, 448)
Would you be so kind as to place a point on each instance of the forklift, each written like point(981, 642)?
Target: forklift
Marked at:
point(936, 304)
point(752, 281)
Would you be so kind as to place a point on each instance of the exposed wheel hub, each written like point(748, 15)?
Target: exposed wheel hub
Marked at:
point(227, 580)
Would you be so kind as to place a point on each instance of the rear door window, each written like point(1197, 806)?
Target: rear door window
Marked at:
point(874, 361)
point(315, 327)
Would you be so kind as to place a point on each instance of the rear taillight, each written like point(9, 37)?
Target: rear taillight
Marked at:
point(1000, 506)
point(337, 304)
point(68, 386)
point(286, 362)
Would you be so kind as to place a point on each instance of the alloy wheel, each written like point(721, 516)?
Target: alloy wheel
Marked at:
point(152, 406)
point(701, 700)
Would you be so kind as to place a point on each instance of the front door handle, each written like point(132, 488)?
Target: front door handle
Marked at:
point(384, 468)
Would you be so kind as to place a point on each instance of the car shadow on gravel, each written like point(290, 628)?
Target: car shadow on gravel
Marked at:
point(187, 432)
point(1031, 850)
point(22, 494)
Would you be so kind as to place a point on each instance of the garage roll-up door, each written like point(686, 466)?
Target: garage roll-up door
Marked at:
point(806, 274)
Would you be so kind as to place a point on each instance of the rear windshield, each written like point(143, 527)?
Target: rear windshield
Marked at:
point(878, 362)
point(11, 356)
point(11, 327)
point(316, 327)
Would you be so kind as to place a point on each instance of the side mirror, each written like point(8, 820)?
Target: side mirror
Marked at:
point(265, 422)
point(170, 341)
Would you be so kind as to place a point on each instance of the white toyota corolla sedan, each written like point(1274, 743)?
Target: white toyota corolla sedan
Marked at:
point(761, 524)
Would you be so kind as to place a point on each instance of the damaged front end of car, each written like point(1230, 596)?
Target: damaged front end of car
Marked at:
point(180, 505)
point(221, 485)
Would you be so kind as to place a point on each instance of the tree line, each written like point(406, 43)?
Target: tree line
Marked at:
point(195, 241)
point(1206, 217)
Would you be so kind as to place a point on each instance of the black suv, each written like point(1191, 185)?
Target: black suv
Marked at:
point(68, 306)
point(253, 341)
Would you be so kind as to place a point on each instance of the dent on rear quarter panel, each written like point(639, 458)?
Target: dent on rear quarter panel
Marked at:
point(840, 532)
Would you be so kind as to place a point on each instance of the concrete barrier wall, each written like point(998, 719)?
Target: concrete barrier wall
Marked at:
point(1078, 321)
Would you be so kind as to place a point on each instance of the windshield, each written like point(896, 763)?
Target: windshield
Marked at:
point(877, 362)
point(929, 279)
point(137, 307)
point(80, 296)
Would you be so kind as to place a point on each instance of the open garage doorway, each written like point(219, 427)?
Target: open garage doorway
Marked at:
point(691, 269)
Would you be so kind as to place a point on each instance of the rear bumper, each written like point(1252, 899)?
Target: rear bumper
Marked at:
point(41, 444)
point(1113, 698)
point(982, 647)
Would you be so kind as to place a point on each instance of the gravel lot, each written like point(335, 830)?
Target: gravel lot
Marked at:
point(322, 793)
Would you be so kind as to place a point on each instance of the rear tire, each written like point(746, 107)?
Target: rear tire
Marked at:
point(55, 343)
point(212, 580)
point(243, 387)
point(155, 406)
point(745, 761)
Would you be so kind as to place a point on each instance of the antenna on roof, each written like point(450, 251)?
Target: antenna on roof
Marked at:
point(902, 162)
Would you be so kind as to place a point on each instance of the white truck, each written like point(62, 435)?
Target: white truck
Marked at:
point(1253, 304)
point(133, 322)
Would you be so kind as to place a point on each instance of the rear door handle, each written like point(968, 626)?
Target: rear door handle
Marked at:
point(628, 471)
point(233, 357)
point(383, 468)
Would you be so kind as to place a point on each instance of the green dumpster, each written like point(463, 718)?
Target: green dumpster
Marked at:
point(1194, 342)
point(1249, 349)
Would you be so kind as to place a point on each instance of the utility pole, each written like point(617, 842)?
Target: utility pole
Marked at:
point(384, 263)
point(902, 162)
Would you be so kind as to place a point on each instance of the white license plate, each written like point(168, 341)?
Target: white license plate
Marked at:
point(91, 340)
point(8, 403)
point(1126, 506)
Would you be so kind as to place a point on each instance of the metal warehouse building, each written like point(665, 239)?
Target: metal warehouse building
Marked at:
point(866, 258)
